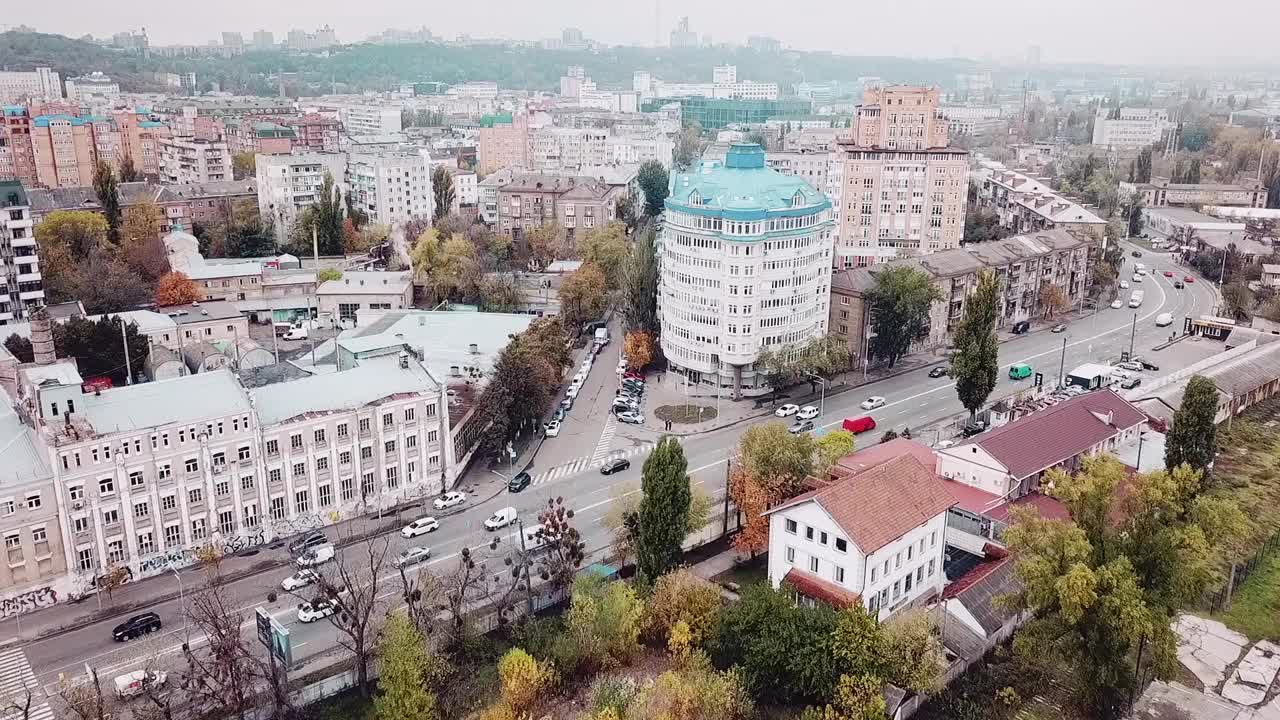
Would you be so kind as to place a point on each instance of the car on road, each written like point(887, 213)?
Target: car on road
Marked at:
point(872, 403)
point(1130, 365)
point(800, 426)
point(449, 499)
point(139, 681)
point(1124, 284)
point(552, 428)
point(1136, 253)
point(580, 378)
point(1130, 383)
point(1019, 371)
point(421, 526)
point(1164, 319)
point(1168, 273)
point(307, 541)
point(1137, 278)
point(622, 366)
point(559, 414)
point(1177, 285)
point(808, 412)
point(317, 555)
point(973, 428)
point(615, 465)
point(300, 579)
point(1188, 279)
point(136, 626)
point(1117, 304)
point(1147, 364)
point(1060, 327)
point(787, 410)
point(624, 403)
point(859, 424)
point(566, 404)
point(1021, 327)
point(500, 519)
point(412, 556)
point(572, 392)
point(631, 417)
point(519, 482)
point(318, 609)
point(938, 371)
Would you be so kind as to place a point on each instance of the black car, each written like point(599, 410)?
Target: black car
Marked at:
point(1136, 253)
point(136, 626)
point(1021, 327)
point(519, 482)
point(973, 428)
point(634, 387)
point(800, 426)
point(938, 372)
point(615, 465)
point(1147, 364)
point(307, 541)
point(1178, 285)
point(1130, 383)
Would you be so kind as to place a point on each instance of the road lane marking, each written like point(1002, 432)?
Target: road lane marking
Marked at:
point(606, 439)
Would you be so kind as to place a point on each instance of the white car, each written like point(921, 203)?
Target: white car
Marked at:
point(421, 526)
point(412, 556)
point(580, 378)
point(316, 610)
point(787, 410)
point(1117, 304)
point(1130, 365)
point(631, 417)
point(553, 428)
point(1124, 284)
point(872, 403)
point(808, 412)
point(317, 555)
point(1137, 278)
point(449, 499)
point(300, 579)
point(572, 392)
point(500, 519)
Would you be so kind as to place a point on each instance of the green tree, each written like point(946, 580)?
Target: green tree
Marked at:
point(96, 346)
point(640, 284)
point(829, 448)
point(688, 147)
point(323, 221)
point(1193, 439)
point(758, 138)
point(327, 274)
point(127, 171)
point(779, 368)
point(775, 457)
point(1142, 167)
point(244, 165)
point(606, 248)
point(664, 510)
point(442, 191)
point(104, 187)
point(522, 383)
point(983, 225)
point(975, 365)
point(900, 304)
point(583, 296)
point(402, 657)
point(246, 234)
point(603, 624)
point(654, 183)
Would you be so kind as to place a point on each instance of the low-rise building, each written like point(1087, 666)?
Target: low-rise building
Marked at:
point(537, 199)
point(1025, 204)
point(1162, 193)
point(341, 299)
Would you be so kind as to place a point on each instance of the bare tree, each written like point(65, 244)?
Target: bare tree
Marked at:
point(354, 582)
point(560, 549)
point(423, 593)
point(220, 676)
point(464, 587)
point(83, 696)
point(18, 704)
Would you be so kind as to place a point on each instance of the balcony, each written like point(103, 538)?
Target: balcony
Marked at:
point(31, 295)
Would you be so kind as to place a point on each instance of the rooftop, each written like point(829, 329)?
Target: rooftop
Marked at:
point(365, 384)
point(743, 188)
point(370, 282)
point(444, 337)
point(190, 398)
point(213, 271)
point(201, 312)
point(21, 459)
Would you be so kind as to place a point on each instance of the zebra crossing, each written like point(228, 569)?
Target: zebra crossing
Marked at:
point(582, 464)
point(22, 698)
point(606, 439)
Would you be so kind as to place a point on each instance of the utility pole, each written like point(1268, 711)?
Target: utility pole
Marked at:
point(1062, 363)
point(1132, 334)
point(128, 366)
point(524, 568)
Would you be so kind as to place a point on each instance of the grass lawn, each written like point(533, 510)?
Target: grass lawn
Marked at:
point(757, 571)
point(1255, 608)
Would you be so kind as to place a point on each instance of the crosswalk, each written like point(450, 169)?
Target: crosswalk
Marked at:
point(20, 696)
point(582, 464)
point(606, 439)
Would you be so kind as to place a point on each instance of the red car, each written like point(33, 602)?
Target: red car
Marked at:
point(1188, 279)
point(1168, 273)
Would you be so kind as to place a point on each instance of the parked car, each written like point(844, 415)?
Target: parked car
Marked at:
point(519, 482)
point(872, 403)
point(318, 609)
point(300, 579)
point(859, 424)
point(621, 405)
point(787, 410)
point(1147, 364)
point(1177, 285)
point(500, 519)
point(808, 412)
point(1188, 279)
point(633, 375)
point(636, 385)
point(1059, 328)
point(135, 683)
point(559, 414)
point(1136, 253)
point(317, 555)
point(1131, 365)
point(1124, 284)
point(421, 526)
point(136, 626)
point(631, 417)
point(973, 428)
point(1117, 304)
point(1022, 327)
point(552, 428)
point(615, 465)
point(938, 371)
point(307, 541)
point(572, 392)
point(800, 426)
point(449, 499)
point(1137, 278)
point(412, 556)
point(1130, 383)
point(566, 404)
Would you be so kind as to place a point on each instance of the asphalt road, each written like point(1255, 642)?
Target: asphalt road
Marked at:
point(913, 400)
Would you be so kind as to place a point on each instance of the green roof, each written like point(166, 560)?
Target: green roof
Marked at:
point(489, 121)
point(743, 189)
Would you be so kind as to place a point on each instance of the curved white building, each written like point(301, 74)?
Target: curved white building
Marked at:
point(746, 265)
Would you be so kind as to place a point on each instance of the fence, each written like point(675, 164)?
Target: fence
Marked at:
point(1221, 600)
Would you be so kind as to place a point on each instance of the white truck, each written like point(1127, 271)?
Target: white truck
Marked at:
point(602, 336)
point(133, 684)
point(1135, 300)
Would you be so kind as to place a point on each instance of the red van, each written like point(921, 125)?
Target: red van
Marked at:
point(859, 425)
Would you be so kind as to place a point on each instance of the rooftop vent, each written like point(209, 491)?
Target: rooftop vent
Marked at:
point(474, 348)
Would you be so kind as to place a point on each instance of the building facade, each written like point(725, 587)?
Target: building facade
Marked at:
point(1131, 128)
point(1026, 205)
point(503, 143)
point(21, 284)
point(95, 93)
point(187, 160)
point(39, 84)
point(746, 254)
point(288, 183)
point(904, 188)
point(1162, 193)
point(391, 188)
point(575, 203)
point(17, 161)
point(370, 119)
point(65, 150)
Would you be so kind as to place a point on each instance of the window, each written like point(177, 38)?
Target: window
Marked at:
point(146, 543)
point(931, 562)
point(164, 472)
point(136, 480)
point(84, 559)
point(219, 459)
point(897, 560)
point(80, 524)
point(273, 447)
point(13, 541)
point(791, 554)
point(141, 510)
point(246, 483)
point(169, 502)
point(195, 495)
point(366, 484)
point(808, 533)
point(432, 435)
point(326, 495)
point(822, 538)
point(302, 501)
point(393, 478)
point(172, 536)
point(897, 589)
point(342, 430)
point(839, 574)
point(110, 517)
point(191, 465)
point(347, 487)
point(919, 574)
point(389, 446)
point(344, 457)
point(33, 501)
point(842, 545)
point(319, 436)
point(910, 551)
point(388, 419)
point(921, 546)
point(411, 441)
point(199, 529)
point(277, 508)
point(933, 539)
point(299, 470)
point(813, 565)
point(222, 488)
point(75, 492)
point(251, 515)
point(431, 411)
point(364, 426)
point(106, 486)
point(226, 522)
point(791, 526)
point(7, 507)
point(295, 441)
point(906, 583)
point(243, 453)
point(273, 475)
point(873, 576)
point(322, 463)
point(366, 452)
point(408, 414)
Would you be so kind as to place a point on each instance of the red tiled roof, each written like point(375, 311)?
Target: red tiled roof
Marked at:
point(1048, 437)
point(883, 452)
point(879, 505)
point(812, 586)
point(1049, 508)
point(975, 500)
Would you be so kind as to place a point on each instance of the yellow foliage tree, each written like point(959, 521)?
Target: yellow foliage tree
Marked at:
point(637, 345)
point(175, 288)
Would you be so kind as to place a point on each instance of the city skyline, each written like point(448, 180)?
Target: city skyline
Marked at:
point(1130, 35)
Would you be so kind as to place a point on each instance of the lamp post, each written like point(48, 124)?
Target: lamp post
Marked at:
point(1142, 436)
point(822, 398)
point(182, 601)
point(1132, 334)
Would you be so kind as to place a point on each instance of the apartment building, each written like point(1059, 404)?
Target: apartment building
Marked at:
point(21, 285)
point(487, 192)
point(34, 572)
point(1024, 264)
point(1025, 204)
point(314, 132)
point(189, 160)
point(466, 189)
point(288, 183)
point(251, 135)
point(95, 93)
point(574, 202)
point(65, 150)
point(17, 161)
point(39, 84)
point(971, 119)
point(139, 138)
point(1162, 193)
point(503, 142)
point(182, 204)
point(810, 166)
point(390, 188)
point(904, 188)
point(1129, 127)
point(746, 254)
point(369, 119)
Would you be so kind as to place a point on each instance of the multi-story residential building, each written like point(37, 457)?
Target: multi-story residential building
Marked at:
point(746, 256)
point(1131, 128)
point(503, 142)
point(95, 93)
point(189, 160)
point(536, 199)
point(1024, 265)
point(369, 119)
point(876, 537)
point(390, 188)
point(466, 190)
point(17, 161)
point(476, 90)
point(812, 167)
point(65, 150)
point(183, 205)
point(314, 132)
point(252, 135)
point(904, 188)
point(21, 285)
point(139, 139)
point(971, 119)
point(1025, 205)
point(288, 183)
point(39, 84)
point(263, 40)
point(487, 193)
point(35, 568)
point(1162, 193)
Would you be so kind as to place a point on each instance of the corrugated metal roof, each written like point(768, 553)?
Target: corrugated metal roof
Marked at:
point(191, 398)
point(21, 460)
point(371, 381)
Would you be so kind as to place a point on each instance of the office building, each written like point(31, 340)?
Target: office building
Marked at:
point(39, 84)
point(1162, 193)
point(391, 188)
point(746, 267)
point(1129, 127)
point(904, 188)
point(21, 286)
point(682, 36)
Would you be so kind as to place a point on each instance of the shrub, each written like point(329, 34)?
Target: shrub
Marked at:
point(681, 596)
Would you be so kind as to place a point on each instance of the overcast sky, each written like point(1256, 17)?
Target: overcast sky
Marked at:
point(1110, 31)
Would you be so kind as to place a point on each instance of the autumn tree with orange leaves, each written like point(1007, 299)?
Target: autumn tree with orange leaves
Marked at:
point(175, 288)
point(638, 347)
point(770, 466)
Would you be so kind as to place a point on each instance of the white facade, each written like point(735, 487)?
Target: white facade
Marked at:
point(39, 84)
point(288, 183)
point(370, 119)
point(476, 90)
point(21, 282)
point(391, 188)
point(1135, 128)
point(189, 161)
point(724, 74)
point(466, 189)
point(96, 93)
point(559, 148)
point(356, 291)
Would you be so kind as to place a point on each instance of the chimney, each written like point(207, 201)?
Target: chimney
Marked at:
point(42, 337)
point(474, 348)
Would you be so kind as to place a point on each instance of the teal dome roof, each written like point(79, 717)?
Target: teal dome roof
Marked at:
point(742, 188)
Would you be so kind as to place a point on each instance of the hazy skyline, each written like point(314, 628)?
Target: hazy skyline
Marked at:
point(1103, 31)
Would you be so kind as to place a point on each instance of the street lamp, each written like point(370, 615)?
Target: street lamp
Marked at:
point(822, 398)
point(1142, 436)
point(182, 601)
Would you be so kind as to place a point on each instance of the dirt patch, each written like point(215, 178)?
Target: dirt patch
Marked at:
point(686, 414)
